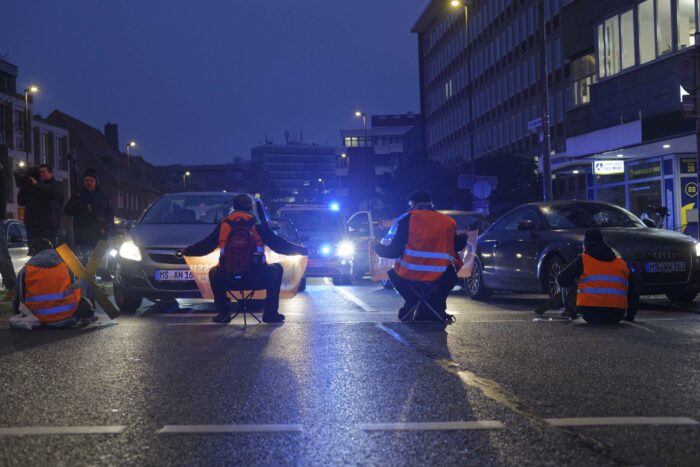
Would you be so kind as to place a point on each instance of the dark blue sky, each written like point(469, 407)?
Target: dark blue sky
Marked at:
point(204, 81)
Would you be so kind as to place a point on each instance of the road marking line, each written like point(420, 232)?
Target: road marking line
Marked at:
point(598, 421)
point(639, 326)
point(174, 429)
point(61, 430)
point(352, 298)
point(433, 426)
point(395, 335)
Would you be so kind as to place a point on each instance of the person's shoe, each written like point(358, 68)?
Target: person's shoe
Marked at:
point(629, 318)
point(568, 314)
point(222, 318)
point(273, 319)
point(10, 295)
point(450, 319)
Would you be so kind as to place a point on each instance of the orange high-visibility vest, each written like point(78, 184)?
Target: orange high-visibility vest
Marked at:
point(48, 293)
point(430, 248)
point(603, 283)
point(225, 229)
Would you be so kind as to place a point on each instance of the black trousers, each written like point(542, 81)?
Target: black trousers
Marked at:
point(597, 315)
point(269, 275)
point(438, 299)
point(46, 232)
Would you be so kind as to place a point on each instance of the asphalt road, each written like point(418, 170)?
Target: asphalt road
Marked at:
point(342, 382)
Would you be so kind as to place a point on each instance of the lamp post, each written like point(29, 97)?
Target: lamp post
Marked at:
point(132, 144)
point(470, 85)
point(184, 179)
point(361, 114)
point(27, 121)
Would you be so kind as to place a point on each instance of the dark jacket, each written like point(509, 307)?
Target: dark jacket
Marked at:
point(602, 252)
point(398, 243)
point(270, 238)
point(93, 216)
point(42, 203)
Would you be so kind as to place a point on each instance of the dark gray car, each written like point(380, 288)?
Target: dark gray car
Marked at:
point(525, 249)
point(150, 262)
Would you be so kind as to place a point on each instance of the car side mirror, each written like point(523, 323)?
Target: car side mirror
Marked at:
point(274, 225)
point(649, 223)
point(527, 226)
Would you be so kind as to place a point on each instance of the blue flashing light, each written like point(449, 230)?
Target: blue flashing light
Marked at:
point(326, 250)
point(334, 207)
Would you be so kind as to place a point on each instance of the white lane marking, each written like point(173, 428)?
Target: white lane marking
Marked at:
point(352, 298)
point(170, 429)
point(395, 335)
point(599, 421)
point(183, 315)
point(61, 430)
point(639, 326)
point(433, 426)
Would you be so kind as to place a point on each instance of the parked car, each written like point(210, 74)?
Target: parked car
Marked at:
point(323, 231)
point(525, 249)
point(285, 228)
point(150, 263)
point(16, 236)
point(466, 220)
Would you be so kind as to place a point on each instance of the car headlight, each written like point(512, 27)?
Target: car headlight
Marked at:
point(697, 249)
point(130, 251)
point(113, 253)
point(346, 249)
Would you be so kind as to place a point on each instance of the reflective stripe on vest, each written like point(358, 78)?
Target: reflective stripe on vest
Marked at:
point(48, 292)
point(603, 284)
point(429, 250)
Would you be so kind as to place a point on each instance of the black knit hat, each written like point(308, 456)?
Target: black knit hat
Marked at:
point(420, 196)
point(90, 173)
point(593, 236)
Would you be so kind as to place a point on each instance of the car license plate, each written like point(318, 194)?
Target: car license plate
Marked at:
point(174, 275)
point(678, 266)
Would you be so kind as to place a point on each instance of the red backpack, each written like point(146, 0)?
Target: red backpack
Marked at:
point(240, 248)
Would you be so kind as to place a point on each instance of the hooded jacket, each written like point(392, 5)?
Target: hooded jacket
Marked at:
point(42, 203)
point(93, 216)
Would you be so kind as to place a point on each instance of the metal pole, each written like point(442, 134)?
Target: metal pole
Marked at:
point(696, 91)
point(470, 86)
point(27, 130)
point(128, 157)
point(544, 106)
point(364, 127)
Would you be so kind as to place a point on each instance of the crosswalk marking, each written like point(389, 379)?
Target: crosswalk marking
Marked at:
point(433, 426)
point(173, 429)
point(600, 421)
point(61, 430)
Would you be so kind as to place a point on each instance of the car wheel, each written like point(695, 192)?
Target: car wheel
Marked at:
point(302, 284)
point(126, 302)
point(682, 296)
point(386, 283)
point(342, 280)
point(474, 284)
point(554, 265)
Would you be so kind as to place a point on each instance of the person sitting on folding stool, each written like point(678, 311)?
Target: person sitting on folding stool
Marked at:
point(426, 245)
point(241, 223)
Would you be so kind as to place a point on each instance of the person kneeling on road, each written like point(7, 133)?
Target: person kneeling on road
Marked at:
point(606, 291)
point(426, 245)
point(48, 293)
point(242, 224)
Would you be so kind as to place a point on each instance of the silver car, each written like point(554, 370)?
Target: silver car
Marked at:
point(16, 237)
point(150, 263)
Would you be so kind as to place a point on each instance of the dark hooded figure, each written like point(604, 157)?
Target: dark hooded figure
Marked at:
point(93, 216)
point(598, 284)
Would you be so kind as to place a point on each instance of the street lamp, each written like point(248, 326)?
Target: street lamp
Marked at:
point(132, 144)
point(361, 114)
point(184, 179)
point(28, 130)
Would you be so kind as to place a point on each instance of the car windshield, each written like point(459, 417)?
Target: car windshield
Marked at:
point(188, 209)
point(588, 215)
point(468, 221)
point(315, 221)
point(287, 231)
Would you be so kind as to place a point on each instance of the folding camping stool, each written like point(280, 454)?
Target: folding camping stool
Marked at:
point(241, 295)
point(422, 290)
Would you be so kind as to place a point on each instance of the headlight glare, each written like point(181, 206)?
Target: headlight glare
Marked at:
point(346, 249)
point(130, 251)
point(697, 249)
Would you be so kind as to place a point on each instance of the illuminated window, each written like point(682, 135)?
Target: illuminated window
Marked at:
point(687, 24)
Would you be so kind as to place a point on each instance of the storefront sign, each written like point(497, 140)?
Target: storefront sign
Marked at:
point(608, 167)
point(648, 170)
point(689, 165)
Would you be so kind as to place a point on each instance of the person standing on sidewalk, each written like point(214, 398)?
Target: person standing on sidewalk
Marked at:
point(42, 198)
point(9, 279)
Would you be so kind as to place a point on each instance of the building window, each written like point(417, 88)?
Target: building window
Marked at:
point(687, 23)
point(582, 77)
point(664, 28)
point(3, 130)
point(352, 142)
point(616, 45)
point(62, 148)
point(19, 129)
